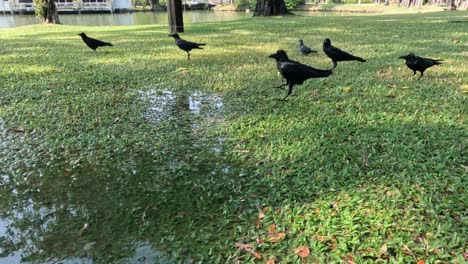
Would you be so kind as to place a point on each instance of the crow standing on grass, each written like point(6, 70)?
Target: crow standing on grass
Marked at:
point(420, 64)
point(186, 45)
point(335, 54)
point(93, 43)
point(295, 72)
point(304, 49)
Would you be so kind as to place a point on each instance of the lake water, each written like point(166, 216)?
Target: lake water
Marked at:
point(126, 19)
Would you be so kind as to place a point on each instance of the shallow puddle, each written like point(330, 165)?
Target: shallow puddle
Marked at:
point(67, 210)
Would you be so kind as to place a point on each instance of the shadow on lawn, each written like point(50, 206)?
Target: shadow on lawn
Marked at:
point(188, 192)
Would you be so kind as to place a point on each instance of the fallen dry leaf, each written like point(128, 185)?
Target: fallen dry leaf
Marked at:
point(271, 261)
point(277, 238)
point(302, 251)
point(259, 224)
point(421, 261)
point(16, 130)
point(257, 255)
point(265, 208)
point(261, 215)
point(383, 249)
point(271, 229)
point(346, 89)
point(314, 92)
point(246, 247)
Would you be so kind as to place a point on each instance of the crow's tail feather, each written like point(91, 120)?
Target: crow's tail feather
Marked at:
point(108, 44)
point(360, 59)
point(437, 62)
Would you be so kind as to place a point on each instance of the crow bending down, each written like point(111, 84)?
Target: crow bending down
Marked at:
point(295, 72)
point(420, 64)
point(93, 43)
point(335, 54)
point(186, 45)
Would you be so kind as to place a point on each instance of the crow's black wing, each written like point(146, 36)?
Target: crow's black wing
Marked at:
point(96, 42)
point(187, 45)
point(298, 72)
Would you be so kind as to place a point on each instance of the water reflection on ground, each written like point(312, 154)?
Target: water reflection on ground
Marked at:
point(70, 209)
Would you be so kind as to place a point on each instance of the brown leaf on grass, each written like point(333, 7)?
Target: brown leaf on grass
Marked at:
point(16, 130)
point(277, 238)
point(257, 255)
point(271, 229)
point(320, 238)
point(332, 247)
point(421, 261)
point(302, 251)
point(265, 208)
point(259, 224)
point(246, 247)
point(383, 249)
point(465, 255)
point(314, 92)
point(261, 215)
point(271, 261)
point(391, 86)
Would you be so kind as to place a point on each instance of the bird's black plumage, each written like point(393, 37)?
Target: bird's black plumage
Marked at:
point(304, 49)
point(295, 72)
point(336, 55)
point(187, 46)
point(420, 64)
point(93, 43)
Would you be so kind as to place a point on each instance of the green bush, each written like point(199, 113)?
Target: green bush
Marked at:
point(290, 4)
point(40, 9)
point(246, 3)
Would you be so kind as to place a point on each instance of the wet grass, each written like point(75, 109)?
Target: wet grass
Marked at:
point(369, 168)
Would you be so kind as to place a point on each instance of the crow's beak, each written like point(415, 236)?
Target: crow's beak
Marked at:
point(271, 56)
point(402, 57)
point(170, 35)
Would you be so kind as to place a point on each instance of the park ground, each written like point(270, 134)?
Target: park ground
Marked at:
point(201, 160)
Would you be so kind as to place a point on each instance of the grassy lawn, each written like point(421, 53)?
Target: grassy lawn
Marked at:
point(366, 166)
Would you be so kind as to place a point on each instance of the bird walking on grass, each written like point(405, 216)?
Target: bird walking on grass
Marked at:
point(304, 49)
point(420, 64)
point(336, 55)
point(295, 72)
point(93, 43)
point(187, 46)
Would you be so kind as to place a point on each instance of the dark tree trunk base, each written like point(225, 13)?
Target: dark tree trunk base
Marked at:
point(271, 8)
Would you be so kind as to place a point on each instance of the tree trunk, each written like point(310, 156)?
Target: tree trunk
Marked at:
point(271, 8)
point(153, 4)
point(51, 13)
point(452, 5)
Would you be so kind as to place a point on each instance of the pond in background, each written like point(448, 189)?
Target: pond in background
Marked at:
point(124, 19)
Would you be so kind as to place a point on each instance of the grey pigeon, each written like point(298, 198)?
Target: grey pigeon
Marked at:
point(304, 49)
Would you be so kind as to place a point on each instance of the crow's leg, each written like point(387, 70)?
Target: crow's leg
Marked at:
point(188, 55)
point(281, 86)
point(334, 64)
point(289, 91)
point(421, 75)
point(414, 73)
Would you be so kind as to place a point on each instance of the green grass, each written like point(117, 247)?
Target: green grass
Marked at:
point(371, 169)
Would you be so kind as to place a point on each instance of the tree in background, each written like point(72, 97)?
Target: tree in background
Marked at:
point(271, 8)
point(46, 11)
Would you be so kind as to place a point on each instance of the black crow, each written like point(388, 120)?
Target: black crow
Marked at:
point(335, 54)
point(304, 49)
point(295, 72)
point(93, 43)
point(186, 45)
point(420, 64)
